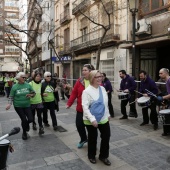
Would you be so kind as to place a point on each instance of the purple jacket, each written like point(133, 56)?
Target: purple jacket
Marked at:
point(107, 85)
point(148, 84)
point(128, 83)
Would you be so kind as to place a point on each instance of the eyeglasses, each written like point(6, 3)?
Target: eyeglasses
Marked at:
point(23, 77)
point(98, 77)
point(48, 76)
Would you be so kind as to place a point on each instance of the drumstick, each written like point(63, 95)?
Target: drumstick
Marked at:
point(132, 102)
point(149, 92)
point(138, 92)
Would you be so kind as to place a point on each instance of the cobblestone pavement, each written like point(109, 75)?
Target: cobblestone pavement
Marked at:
point(132, 147)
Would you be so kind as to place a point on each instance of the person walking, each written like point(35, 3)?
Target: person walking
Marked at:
point(108, 86)
point(50, 94)
point(7, 85)
point(36, 102)
point(96, 116)
point(77, 91)
point(147, 84)
point(128, 85)
point(20, 95)
point(164, 75)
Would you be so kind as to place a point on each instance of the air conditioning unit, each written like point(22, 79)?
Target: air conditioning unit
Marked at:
point(143, 27)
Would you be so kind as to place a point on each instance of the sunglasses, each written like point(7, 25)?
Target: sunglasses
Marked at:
point(23, 77)
point(48, 76)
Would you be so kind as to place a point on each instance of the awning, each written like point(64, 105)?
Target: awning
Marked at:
point(154, 42)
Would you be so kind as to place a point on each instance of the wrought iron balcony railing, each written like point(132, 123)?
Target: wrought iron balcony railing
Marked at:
point(93, 39)
point(79, 5)
point(64, 49)
point(65, 16)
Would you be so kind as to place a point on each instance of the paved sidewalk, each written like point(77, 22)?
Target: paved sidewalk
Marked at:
point(132, 147)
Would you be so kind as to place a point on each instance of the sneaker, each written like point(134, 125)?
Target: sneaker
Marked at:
point(34, 127)
point(46, 124)
point(155, 126)
point(143, 123)
point(105, 161)
point(55, 128)
point(41, 130)
point(24, 136)
point(80, 144)
point(123, 117)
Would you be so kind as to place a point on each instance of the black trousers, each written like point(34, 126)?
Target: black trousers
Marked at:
point(111, 111)
point(25, 115)
point(49, 106)
point(132, 106)
point(39, 115)
point(81, 127)
point(7, 89)
point(92, 140)
point(153, 114)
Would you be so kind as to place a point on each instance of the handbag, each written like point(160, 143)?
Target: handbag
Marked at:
point(97, 108)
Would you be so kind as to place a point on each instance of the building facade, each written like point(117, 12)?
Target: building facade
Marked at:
point(152, 37)
point(10, 55)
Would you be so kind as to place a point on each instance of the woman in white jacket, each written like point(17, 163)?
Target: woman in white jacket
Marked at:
point(96, 117)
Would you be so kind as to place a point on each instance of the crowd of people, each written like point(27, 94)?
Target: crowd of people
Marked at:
point(93, 92)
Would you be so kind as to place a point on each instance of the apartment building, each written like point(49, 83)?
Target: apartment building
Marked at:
point(78, 38)
point(9, 53)
point(34, 24)
point(48, 28)
point(152, 37)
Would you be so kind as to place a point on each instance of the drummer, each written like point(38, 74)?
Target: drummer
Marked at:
point(148, 84)
point(128, 85)
point(164, 75)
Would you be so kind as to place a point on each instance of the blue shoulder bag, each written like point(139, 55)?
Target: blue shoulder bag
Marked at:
point(97, 108)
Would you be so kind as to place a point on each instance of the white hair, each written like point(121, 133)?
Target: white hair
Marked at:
point(47, 74)
point(19, 75)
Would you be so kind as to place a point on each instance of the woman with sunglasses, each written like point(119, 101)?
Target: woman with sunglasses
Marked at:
point(20, 95)
point(96, 116)
point(77, 91)
point(50, 94)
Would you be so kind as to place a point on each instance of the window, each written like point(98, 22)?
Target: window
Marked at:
point(152, 5)
point(84, 34)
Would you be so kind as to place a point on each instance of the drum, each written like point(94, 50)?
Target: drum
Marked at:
point(123, 96)
point(4, 146)
point(144, 102)
point(165, 115)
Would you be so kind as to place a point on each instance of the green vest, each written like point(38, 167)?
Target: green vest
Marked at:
point(49, 90)
point(37, 88)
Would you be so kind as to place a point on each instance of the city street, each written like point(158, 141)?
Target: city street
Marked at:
point(132, 147)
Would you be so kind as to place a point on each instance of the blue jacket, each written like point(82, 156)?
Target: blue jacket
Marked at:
point(107, 85)
point(148, 84)
point(128, 83)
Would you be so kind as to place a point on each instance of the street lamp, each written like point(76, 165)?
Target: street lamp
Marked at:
point(26, 61)
point(133, 6)
point(51, 48)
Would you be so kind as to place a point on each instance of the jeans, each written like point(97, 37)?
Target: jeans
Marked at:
point(153, 114)
point(132, 106)
point(111, 111)
point(81, 126)
point(39, 115)
point(92, 140)
point(25, 115)
point(51, 107)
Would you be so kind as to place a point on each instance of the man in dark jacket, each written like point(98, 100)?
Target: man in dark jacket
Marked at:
point(108, 86)
point(147, 84)
point(128, 85)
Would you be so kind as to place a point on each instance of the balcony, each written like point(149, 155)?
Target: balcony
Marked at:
point(64, 49)
point(92, 39)
point(65, 16)
point(66, 2)
point(80, 5)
